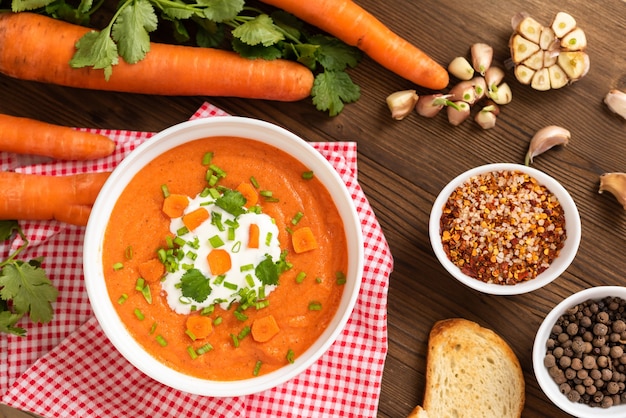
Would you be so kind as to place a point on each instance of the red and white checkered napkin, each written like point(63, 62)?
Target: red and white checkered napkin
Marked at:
point(69, 368)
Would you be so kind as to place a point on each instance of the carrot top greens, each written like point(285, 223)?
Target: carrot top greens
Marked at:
point(230, 24)
point(25, 290)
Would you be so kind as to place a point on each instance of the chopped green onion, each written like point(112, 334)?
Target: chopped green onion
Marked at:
point(147, 294)
point(204, 193)
point(254, 182)
point(244, 333)
point(217, 320)
point(257, 368)
point(192, 352)
point(216, 241)
point(240, 316)
point(162, 341)
point(297, 218)
point(318, 280)
point(235, 340)
point(215, 194)
point(300, 277)
point(191, 255)
point(246, 267)
point(341, 278)
point(262, 292)
point(216, 219)
point(231, 233)
point(140, 316)
point(207, 310)
point(207, 158)
point(169, 241)
point(315, 306)
point(182, 231)
point(250, 280)
point(290, 356)
point(122, 298)
point(204, 349)
point(307, 175)
point(268, 238)
point(190, 334)
point(262, 304)
point(231, 286)
point(218, 171)
point(236, 247)
point(179, 242)
point(118, 266)
point(139, 284)
point(128, 253)
point(165, 190)
point(153, 328)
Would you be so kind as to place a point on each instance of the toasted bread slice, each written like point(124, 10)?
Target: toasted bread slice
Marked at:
point(471, 372)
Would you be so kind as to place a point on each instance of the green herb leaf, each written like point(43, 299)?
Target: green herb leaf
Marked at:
point(7, 229)
point(8, 321)
point(256, 51)
point(335, 55)
point(29, 289)
point(195, 286)
point(221, 10)
point(22, 5)
point(97, 50)
point(132, 28)
point(260, 30)
point(331, 89)
point(232, 202)
point(268, 271)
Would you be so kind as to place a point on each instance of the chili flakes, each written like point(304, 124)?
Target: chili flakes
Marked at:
point(502, 227)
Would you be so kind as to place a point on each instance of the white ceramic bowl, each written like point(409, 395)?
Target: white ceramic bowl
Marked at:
point(162, 142)
point(558, 266)
point(547, 384)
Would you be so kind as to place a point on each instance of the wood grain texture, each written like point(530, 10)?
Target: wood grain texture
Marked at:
point(404, 164)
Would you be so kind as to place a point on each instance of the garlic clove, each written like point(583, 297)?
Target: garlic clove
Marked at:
point(487, 116)
point(614, 183)
point(562, 24)
point(574, 41)
point(530, 29)
point(457, 112)
point(480, 86)
point(546, 138)
point(548, 40)
point(464, 91)
point(482, 54)
point(522, 48)
point(541, 80)
point(493, 77)
point(524, 74)
point(616, 102)
point(402, 103)
point(502, 95)
point(574, 63)
point(549, 58)
point(430, 105)
point(535, 61)
point(558, 78)
point(461, 68)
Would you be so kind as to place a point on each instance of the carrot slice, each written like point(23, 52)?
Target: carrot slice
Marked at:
point(303, 240)
point(264, 328)
point(174, 205)
point(199, 326)
point(247, 190)
point(253, 236)
point(194, 219)
point(219, 261)
point(151, 270)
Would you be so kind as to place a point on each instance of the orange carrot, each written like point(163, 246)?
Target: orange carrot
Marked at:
point(253, 236)
point(152, 270)
point(39, 48)
point(248, 191)
point(193, 219)
point(219, 261)
point(199, 326)
point(303, 240)
point(355, 26)
point(29, 136)
point(264, 328)
point(174, 205)
point(40, 197)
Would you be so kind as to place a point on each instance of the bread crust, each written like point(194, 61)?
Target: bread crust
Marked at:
point(470, 372)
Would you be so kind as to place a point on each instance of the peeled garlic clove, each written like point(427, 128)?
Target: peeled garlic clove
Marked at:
point(558, 78)
point(522, 48)
point(562, 24)
point(482, 54)
point(574, 41)
point(402, 103)
point(616, 102)
point(524, 74)
point(461, 68)
point(502, 95)
point(575, 64)
point(457, 112)
point(487, 116)
point(546, 138)
point(614, 183)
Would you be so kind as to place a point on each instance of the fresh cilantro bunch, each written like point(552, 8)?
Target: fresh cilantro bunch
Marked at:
point(249, 31)
point(24, 287)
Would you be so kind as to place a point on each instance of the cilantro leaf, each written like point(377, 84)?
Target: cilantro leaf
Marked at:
point(268, 271)
point(256, 51)
point(221, 10)
point(29, 289)
point(131, 30)
point(8, 321)
point(331, 89)
point(335, 55)
point(195, 286)
point(23, 5)
point(7, 229)
point(98, 50)
point(260, 30)
point(232, 202)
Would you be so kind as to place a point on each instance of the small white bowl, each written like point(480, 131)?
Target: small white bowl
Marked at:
point(162, 142)
point(547, 384)
point(558, 266)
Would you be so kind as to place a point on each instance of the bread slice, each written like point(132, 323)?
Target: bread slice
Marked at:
point(471, 372)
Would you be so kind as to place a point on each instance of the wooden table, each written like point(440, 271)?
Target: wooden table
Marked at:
point(404, 164)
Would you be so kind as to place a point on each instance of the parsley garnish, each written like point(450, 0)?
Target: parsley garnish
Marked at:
point(217, 24)
point(25, 290)
point(195, 286)
point(269, 271)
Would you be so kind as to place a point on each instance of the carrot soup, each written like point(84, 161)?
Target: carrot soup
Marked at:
point(225, 258)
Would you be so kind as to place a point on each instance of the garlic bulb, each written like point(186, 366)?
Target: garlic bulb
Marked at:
point(548, 57)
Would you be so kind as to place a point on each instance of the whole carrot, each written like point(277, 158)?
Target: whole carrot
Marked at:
point(39, 197)
point(29, 136)
point(355, 26)
point(39, 48)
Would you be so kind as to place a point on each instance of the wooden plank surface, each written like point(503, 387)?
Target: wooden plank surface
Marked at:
point(404, 164)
